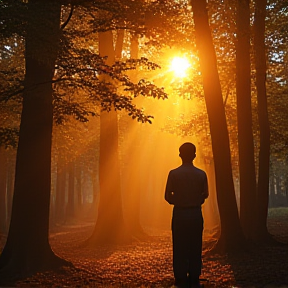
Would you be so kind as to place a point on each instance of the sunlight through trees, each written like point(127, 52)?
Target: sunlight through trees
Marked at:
point(179, 66)
point(97, 96)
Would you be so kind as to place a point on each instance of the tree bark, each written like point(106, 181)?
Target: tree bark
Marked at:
point(244, 119)
point(231, 233)
point(133, 183)
point(10, 187)
point(27, 249)
point(264, 152)
point(3, 190)
point(110, 226)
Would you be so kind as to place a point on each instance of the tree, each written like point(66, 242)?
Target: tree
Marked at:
point(10, 79)
point(244, 120)
point(276, 37)
point(110, 226)
point(231, 232)
point(131, 171)
point(3, 190)
point(60, 193)
point(264, 153)
point(27, 248)
point(70, 205)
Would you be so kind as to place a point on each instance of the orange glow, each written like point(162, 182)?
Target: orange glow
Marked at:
point(179, 66)
point(147, 153)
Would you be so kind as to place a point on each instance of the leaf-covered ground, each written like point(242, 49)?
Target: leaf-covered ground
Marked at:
point(148, 263)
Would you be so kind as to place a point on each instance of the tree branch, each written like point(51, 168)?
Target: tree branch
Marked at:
point(68, 19)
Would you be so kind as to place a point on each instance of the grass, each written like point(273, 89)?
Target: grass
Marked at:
point(279, 212)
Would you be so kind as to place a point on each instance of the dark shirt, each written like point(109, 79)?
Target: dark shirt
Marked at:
point(186, 186)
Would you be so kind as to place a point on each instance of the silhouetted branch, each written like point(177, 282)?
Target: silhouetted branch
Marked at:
point(68, 19)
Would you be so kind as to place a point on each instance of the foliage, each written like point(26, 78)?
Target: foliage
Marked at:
point(161, 26)
point(78, 90)
point(82, 73)
point(13, 14)
point(11, 83)
point(277, 78)
point(8, 137)
point(222, 23)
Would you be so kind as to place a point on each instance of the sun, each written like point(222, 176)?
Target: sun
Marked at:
point(179, 66)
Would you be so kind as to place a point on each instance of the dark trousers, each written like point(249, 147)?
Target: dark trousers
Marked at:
point(187, 230)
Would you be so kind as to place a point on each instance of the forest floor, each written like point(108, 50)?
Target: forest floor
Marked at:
point(148, 263)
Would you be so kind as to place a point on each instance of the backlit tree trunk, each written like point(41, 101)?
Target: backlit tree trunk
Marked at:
point(244, 119)
point(119, 44)
point(231, 234)
point(60, 194)
point(133, 185)
point(264, 153)
point(79, 193)
point(70, 206)
point(110, 226)
point(27, 249)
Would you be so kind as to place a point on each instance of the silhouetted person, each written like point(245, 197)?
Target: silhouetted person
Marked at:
point(187, 189)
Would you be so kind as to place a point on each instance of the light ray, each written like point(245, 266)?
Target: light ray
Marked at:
point(179, 66)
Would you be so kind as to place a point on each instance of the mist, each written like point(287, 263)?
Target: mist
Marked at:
point(147, 152)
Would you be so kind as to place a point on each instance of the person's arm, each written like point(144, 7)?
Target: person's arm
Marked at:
point(206, 190)
point(169, 192)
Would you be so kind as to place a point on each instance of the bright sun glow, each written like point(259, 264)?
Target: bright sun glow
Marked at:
point(180, 65)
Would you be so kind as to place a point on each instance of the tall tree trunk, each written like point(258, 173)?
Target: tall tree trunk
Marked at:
point(272, 198)
point(133, 181)
point(264, 153)
point(79, 192)
point(110, 226)
point(95, 189)
point(231, 233)
point(277, 190)
point(134, 47)
point(60, 194)
point(3, 190)
point(244, 119)
point(27, 249)
point(119, 44)
point(132, 186)
point(212, 221)
point(10, 188)
point(70, 207)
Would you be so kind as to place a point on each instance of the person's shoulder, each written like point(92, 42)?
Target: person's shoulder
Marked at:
point(175, 170)
point(200, 171)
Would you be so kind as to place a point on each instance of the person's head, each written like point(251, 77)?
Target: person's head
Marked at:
point(187, 152)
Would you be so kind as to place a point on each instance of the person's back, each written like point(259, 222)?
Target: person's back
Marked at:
point(187, 190)
point(186, 186)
